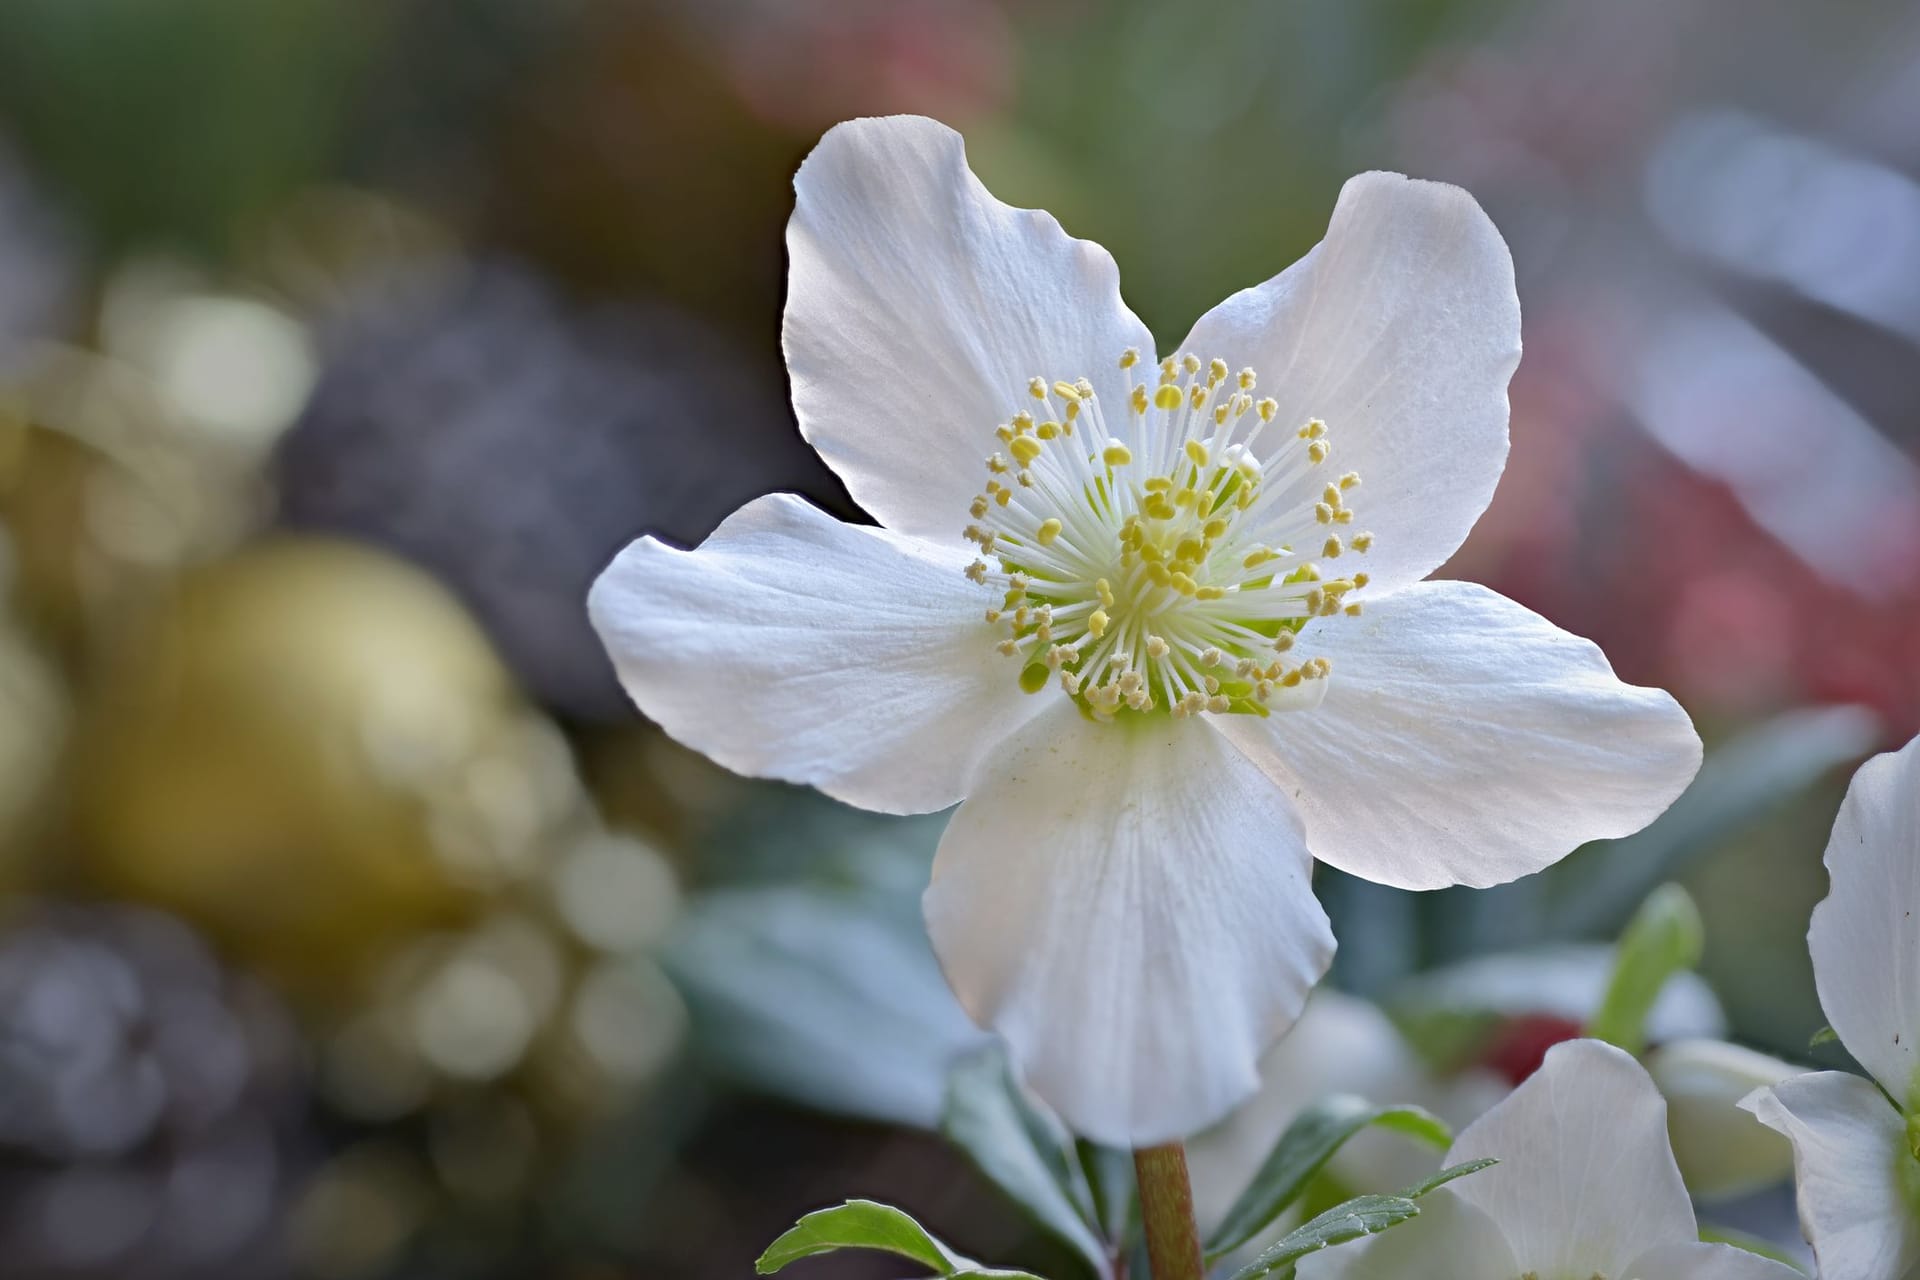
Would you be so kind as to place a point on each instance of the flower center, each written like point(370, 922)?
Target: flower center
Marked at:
point(1168, 562)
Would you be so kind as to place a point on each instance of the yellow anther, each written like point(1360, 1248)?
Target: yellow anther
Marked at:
point(1047, 430)
point(1268, 408)
point(1157, 506)
point(1184, 584)
point(1212, 683)
point(1220, 416)
point(1157, 484)
point(1213, 529)
point(977, 571)
point(1291, 679)
point(1255, 559)
point(1315, 598)
point(1085, 387)
point(1116, 455)
point(1189, 549)
point(1362, 542)
point(1190, 362)
point(1073, 411)
point(1037, 388)
point(1025, 478)
point(993, 615)
point(1159, 574)
point(1343, 516)
point(998, 465)
point(1353, 610)
point(1097, 623)
point(1022, 421)
point(1066, 391)
point(1138, 399)
point(1331, 496)
point(1323, 513)
point(1009, 648)
point(1318, 451)
point(1333, 547)
point(1218, 704)
point(1350, 479)
point(1216, 371)
point(1314, 429)
point(1070, 683)
point(1130, 357)
point(1156, 647)
point(1049, 530)
point(1197, 453)
point(1004, 496)
point(1210, 657)
point(1025, 449)
point(978, 507)
point(1197, 397)
point(1360, 580)
point(1105, 592)
point(1283, 642)
point(1167, 397)
point(1246, 379)
point(1005, 433)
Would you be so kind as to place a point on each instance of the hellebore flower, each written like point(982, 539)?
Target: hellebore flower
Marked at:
point(1128, 611)
point(1586, 1188)
point(1856, 1151)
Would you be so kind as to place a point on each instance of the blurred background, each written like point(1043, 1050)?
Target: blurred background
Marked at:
point(351, 923)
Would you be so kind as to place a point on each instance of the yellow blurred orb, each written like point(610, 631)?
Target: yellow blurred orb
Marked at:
point(312, 750)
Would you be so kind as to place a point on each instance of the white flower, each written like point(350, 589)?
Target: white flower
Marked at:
point(1586, 1189)
point(1856, 1156)
point(1144, 665)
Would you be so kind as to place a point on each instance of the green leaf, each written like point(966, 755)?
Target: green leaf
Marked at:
point(1664, 937)
point(1309, 1142)
point(863, 1224)
point(1115, 1197)
point(1024, 1151)
point(1358, 1217)
point(1825, 1035)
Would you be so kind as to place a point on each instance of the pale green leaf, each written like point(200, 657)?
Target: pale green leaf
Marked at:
point(863, 1224)
point(1664, 937)
point(1309, 1142)
point(1358, 1217)
point(1024, 1151)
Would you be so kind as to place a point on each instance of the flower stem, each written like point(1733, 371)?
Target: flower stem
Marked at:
point(1166, 1211)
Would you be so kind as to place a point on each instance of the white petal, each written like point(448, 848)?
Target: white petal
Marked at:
point(1586, 1181)
point(1722, 1151)
point(1695, 1260)
point(1400, 330)
point(1865, 938)
point(1849, 1153)
point(1450, 1240)
point(1130, 906)
point(918, 307)
point(792, 646)
point(1466, 740)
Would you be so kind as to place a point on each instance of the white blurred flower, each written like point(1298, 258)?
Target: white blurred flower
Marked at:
point(1721, 1152)
point(1586, 1187)
point(1154, 562)
point(1856, 1155)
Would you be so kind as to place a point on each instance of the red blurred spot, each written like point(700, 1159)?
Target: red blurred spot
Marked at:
point(1520, 1045)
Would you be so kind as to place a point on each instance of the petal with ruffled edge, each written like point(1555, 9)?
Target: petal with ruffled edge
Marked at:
point(919, 307)
point(1400, 330)
point(1849, 1159)
point(1130, 905)
point(1466, 740)
point(1865, 936)
point(1696, 1260)
point(1586, 1182)
point(792, 646)
point(1450, 1240)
